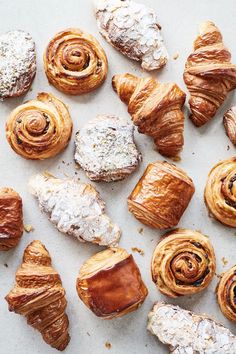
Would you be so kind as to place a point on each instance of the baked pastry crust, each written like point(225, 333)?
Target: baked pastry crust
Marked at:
point(183, 263)
point(161, 196)
point(226, 294)
point(74, 62)
point(229, 121)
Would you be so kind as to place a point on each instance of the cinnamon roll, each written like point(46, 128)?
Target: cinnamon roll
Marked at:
point(226, 291)
point(183, 263)
point(74, 62)
point(40, 128)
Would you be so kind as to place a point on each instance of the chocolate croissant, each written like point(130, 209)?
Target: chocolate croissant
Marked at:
point(161, 196)
point(11, 219)
point(183, 263)
point(226, 290)
point(209, 74)
point(40, 128)
point(155, 109)
point(110, 284)
point(39, 296)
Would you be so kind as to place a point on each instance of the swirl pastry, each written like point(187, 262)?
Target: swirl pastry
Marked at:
point(161, 196)
point(39, 296)
point(74, 62)
point(220, 192)
point(110, 284)
point(209, 74)
point(155, 109)
point(11, 219)
point(229, 121)
point(226, 291)
point(183, 263)
point(40, 128)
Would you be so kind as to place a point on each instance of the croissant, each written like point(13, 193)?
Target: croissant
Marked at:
point(74, 62)
point(39, 296)
point(110, 284)
point(209, 74)
point(229, 121)
point(183, 263)
point(226, 294)
point(161, 196)
point(155, 109)
point(220, 192)
point(11, 219)
point(40, 128)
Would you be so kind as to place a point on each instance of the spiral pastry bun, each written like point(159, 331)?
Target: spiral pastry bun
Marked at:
point(226, 291)
point(40, 128)
point(183, 263)
point(74, 62)
point(220, 192)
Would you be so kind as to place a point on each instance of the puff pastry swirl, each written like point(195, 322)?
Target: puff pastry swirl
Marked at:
point(226, 290)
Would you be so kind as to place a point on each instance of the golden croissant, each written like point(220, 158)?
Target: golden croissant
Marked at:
point(226, 294)
point(155, 109)
point(39, 296)
point(209, 74)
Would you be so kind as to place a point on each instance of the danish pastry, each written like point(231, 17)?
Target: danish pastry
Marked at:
point(226, 290)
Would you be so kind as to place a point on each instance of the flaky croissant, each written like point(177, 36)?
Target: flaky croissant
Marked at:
point(209, 74)
point(225, 291)
point(155, 109)
point(39, 296)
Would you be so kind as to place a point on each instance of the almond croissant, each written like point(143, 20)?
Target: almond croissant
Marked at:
point(40, 297)
point(155, 108)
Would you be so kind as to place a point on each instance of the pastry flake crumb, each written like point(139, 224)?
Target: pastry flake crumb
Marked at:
point(176, 158)
point(224, 261)
point(175, 56)
point(140, 230)
point(6, 265)
point(228, 147)
point(108, 345)
point(136, 249)
point(28, 228)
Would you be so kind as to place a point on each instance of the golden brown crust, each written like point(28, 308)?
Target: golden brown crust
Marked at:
point(229, 121)
point(161, 196)
point(74, 62)
point(39, 129)
point(155, 108)
point(226, 290)
point(183, 263)
point(40, 297)
point(209, 74)
point(11, 218)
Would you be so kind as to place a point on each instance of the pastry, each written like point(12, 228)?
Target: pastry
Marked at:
point(39, 296)
point(105, 149)
point(229, 121)
point(188, 333)
point(220, 192)
point(75, 209)
point(183, 263)
point(110, 284)
point(11, 218)
point(155, 109)
point(17, 63)
point(74, 62)
point(133, 29)
point(161, 196)
point(209, 74)
point(40, 128)
point(226, 291)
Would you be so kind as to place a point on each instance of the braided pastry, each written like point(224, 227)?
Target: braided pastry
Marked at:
point(156, 110)
point(209, 74)
point(39, 296)
point(226, 290)
point(40, 128)
point(183, 263)
point(74, 62)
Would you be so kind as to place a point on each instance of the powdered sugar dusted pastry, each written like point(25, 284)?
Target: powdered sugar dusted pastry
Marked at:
point(188, 333)
point(17, 63)
point(75, 209)
point(133, 29)
point(105, 149)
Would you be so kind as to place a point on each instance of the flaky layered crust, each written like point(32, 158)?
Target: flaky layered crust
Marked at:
point(229, 121)
point(226, 290)
point(110, 284)
point(74, 62)
point(161, 196)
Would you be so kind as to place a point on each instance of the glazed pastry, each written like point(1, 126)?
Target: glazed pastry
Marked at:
point(105, 149)
point(226, 290)
point(40, 128)
point(133, 29)
point(161, 196)
point(186, 332)
point(74, 62)
point(220, 192)
point(229, 121)
point(156, 110)
point(183, 263)
point(17, 63)
point(11, 219)
point(39, 296)
point(110, 284)
point(209, 74)
point(75, 209)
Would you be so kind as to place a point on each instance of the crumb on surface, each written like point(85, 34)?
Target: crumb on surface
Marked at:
point(28, 228)
point(224, 261)
point(175, 56)
point(176, 158)
point(6, 265)
point(136, 249)
point(140, 230)
point(228, 147)
point(219, 276)
point(88, 334)
point(108, 345)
